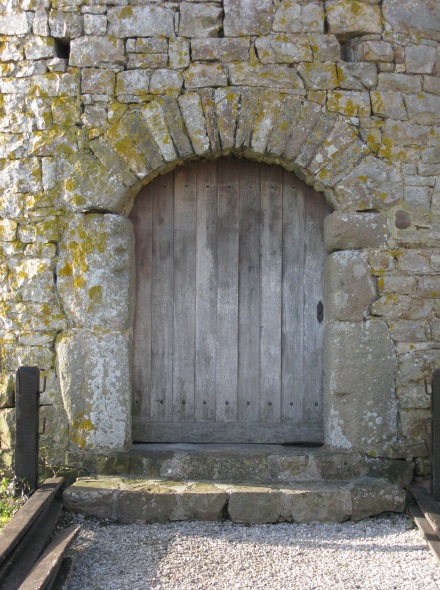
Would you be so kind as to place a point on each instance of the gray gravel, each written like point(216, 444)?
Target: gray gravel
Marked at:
point(380, 553)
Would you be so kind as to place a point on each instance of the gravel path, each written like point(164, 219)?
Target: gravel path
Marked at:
point(380, 553)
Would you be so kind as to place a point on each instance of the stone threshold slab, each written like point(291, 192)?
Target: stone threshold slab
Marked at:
point(235, 463)
point(136, 500)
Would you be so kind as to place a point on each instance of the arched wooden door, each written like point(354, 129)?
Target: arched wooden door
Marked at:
point(227, 338)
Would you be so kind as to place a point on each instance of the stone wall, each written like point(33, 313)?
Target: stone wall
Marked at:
point(97, 98)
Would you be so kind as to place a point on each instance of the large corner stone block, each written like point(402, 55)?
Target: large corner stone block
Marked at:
point(93, 369)
point(359, 369)
point(349, 287)
point(354, 231)
point(96, 271)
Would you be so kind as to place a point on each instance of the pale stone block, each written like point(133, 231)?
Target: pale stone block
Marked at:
point(15, 23)
point(97, 81)
point(7, 427)
point(283, 49)
point(91, 50)
point(65, 25)
point(227, 105)
point(388, 104)
point(224, 49)
point(376, 51)
point(140, 21)
point(352, 17)
point(404, 307)
point(204, 75)
point(176, 127)
point(293, 17)
point(135, 82)
point(408, 331)
point(423, 108)
point(88, 500)
point(149, 45)
point(421, 16)
point(95, 24)
point(257, 505)
point(33, 280)
point(354, 231)
point(273, 76)
point(194, 118)
point(32, 316)
point(349, 103)
point(326, 505)
point(420, 59)
point(356, 76)
point(57, 64)
point(111, 161)
point(359, 380)
point(95, 271)
point(399, 82)
point(417, 197)
point(148, 60)
point(397, 284)
point(8, 230)
point(20, 176)
point(93, 369)
point(379, 495)
point(319, 76)
point(247, 17)
point(7, 390)
point(179, 53)
point(370, 185)
point(431, 84)
point(157, 125)
point(349, 287)
point(39, 48)
point(10, 50)
point(199, 20)
point(40, 25)
point(166, 83)
point(325, 47)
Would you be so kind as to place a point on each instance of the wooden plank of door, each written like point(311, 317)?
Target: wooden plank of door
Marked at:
point(249, 293)
point(316, 210)
point(162, 299)
point(141, 216)
point(294, 381)
point(184, 292)
point(270, 281)
point(227, 298)
point(206, 292)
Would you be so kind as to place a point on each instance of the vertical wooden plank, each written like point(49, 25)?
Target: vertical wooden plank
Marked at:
point(141, 216)
point(271, 263)
point(249, 294)
point(184, 292)
point(292, 362)
point(206, 292)
point(316, 210)
point(435, 419)
point(26, 422)
point(227, 298)
point(162, 193)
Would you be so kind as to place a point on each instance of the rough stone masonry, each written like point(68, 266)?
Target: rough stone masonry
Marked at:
point(99, 97)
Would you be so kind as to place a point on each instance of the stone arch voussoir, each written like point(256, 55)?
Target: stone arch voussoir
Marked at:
point(150, 139)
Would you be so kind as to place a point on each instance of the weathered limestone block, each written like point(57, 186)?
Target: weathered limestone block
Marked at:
point(247, 17)
point(349, 287)
point(415, 423)
point(149, 45)
point(97, 81)
point(192, 113)
point(356, 76)
point(415, 229)
point(257, 505)
point(7, 427)
point(419, 16)
point(199, 20)
point(293, 17)
point(423, 108)
point(147, 60)
point(420, 59)
point(166, 83)
point(349, 103)
point(140, 21)
point(319, 76)
point(359, 380)
point(15, 356)
point(325, 47)
point(409, 133)
point(95, 24)
point(146, 507)
point(93, 369)
point(270, 108)
point(408, 331)
point(39, 48)
point(8, 230)
point(20, 176)
point(348, 18)
point(372, 184)
point(7, 390)
point(431, 84)
point(378, 496)
point(15, 23)
point(325, 506)
point(223, 49)
point(388, 104)
point(179, 53)
point(272, 76)
point(91, 51)
point(375, 51)
point(204, 75)
point(32, 279)
point(40, 24)
point(397, 284)
point(227, 107)
point(399, 82)
point(176, 126)
point(202, 501)
point(65, 25)
point(283, 49)
point(135, 82)
point(66, 111)
point(418, 197)
point(157, 128)
point(110, 160)
point(353, 231)
point(133, 150)
point(32, 316)
point(404, 307)
point(95, 271)
point(91, 497)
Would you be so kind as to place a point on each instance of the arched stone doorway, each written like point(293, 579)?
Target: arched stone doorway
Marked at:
point(228, 324)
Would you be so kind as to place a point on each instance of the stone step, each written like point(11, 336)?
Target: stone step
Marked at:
point(250, 463)
point(136, 500)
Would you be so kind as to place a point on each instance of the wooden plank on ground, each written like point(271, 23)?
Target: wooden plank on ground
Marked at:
point(16, 528)
point(45, 570)
point(64, 575)
point(427, 504)
point(426, 529)
point(28, 550)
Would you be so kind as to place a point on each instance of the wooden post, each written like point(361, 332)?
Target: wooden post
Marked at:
point(27, 425)
point(435, 451)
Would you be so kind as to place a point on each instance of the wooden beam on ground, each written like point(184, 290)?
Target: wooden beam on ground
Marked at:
point(426, 529)
point(27, 425)
point(427, 504)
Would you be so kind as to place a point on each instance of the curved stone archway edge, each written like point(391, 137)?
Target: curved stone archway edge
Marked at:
point(95, 269)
